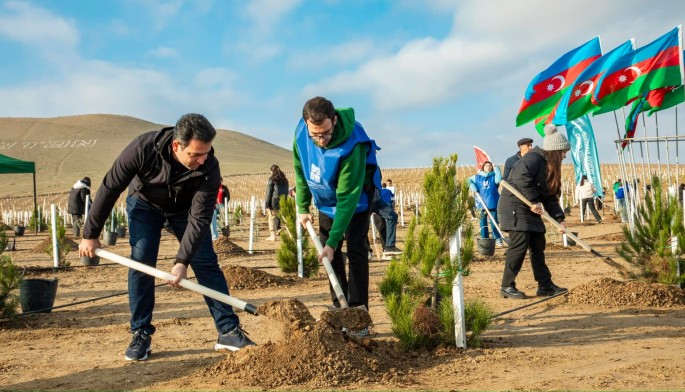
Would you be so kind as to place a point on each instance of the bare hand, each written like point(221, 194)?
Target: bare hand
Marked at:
point(328, 253)
point(181, 272)
point(87, 247)
point(304, 218)
point(537, 208)
point(563, 225)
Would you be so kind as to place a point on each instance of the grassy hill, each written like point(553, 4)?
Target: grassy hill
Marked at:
point(69, 148)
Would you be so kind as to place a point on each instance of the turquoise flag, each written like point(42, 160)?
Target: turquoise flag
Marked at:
point(584, 152)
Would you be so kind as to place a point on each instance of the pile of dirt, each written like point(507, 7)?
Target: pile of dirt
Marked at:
point(240, 278)
point(614, 237)
point(225, 246)
point(39, 248)
point(610, 292)
point(314, 354)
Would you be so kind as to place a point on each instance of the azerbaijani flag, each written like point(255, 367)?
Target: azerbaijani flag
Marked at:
point(547, 88)
point(672, 96)
point(658, 64)
point(577, 98)
point(633, 116)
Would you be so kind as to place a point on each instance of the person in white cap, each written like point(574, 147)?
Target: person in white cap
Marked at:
point(537, 176)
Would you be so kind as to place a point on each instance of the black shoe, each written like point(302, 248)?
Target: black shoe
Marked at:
point(392, 250)
point(511, 292)
point(139, 349)
point(233, 340)
point(550, 290)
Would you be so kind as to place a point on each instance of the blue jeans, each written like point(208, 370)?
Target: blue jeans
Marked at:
point(145, 231)
point(484, 224)
point(390, 216)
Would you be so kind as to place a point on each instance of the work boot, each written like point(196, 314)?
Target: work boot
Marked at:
point(139, 348)
point(511, 292)
point(551, 290)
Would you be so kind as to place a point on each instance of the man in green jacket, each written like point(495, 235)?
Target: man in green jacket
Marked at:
point(335, 164)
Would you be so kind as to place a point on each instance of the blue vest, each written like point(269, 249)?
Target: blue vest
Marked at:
point(322, 165)
point(487, 190)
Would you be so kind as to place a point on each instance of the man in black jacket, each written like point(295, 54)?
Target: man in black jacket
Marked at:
point(172, 176)
point(525, 145)
point(76, 205)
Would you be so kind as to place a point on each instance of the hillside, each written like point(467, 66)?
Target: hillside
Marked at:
point(68, 148)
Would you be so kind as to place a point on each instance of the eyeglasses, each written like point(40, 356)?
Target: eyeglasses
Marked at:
point(322, 136)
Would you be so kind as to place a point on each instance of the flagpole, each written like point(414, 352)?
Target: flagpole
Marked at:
point(658, 149)
point(668, 155)
point(677, 143)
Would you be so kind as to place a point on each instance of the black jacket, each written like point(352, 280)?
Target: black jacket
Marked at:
point(76, 204)
point(529, 176)
point(145, 167)
point(509, 164)
point(274, 192)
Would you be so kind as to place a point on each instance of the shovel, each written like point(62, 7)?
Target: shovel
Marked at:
point(227, 299)
point(558, 225)
point(327, 265)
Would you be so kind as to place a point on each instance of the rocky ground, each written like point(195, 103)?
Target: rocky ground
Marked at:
point(606, 334)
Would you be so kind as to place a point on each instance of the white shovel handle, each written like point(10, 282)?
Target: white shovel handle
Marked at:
point(327, 265)
point(227, 299)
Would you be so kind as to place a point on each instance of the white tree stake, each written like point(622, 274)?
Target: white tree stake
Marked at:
point(252, 218)
point(55, 249)
point(458, 293)
point(401, 209)
point(298, 229)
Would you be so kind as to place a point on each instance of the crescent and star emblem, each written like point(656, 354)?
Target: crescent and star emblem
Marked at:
point(550, 86)
point(590, 85)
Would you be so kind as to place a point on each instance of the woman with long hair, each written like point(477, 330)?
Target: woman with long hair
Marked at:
point(537, 176)
point(276, 186)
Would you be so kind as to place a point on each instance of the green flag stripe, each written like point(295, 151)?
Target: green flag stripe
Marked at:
point(539, 109)
point(662, 77)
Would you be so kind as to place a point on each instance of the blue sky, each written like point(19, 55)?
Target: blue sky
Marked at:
point(426, 78)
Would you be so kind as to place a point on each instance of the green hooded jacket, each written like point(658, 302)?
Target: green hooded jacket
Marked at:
point(352, 177)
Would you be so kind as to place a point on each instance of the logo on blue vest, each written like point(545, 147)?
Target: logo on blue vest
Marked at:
point(315, 173)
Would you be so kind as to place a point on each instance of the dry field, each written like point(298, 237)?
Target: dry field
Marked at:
point(604, 335)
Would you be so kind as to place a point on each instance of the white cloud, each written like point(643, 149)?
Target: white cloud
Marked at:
point(160, 11)
point(491, 45)
point(342, 54)
point(165, 52)
point(265, 15)
point(37, 27)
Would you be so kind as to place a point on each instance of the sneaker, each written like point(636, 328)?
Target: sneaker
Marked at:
point(139, 349)
point(392, 250)
point(499, 243)
point(550, 290)
point(233, 340)
point(362, 333)
point(511, 292)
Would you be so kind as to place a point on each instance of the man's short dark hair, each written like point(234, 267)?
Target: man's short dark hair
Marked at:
point(193, 126)
point(317, 110)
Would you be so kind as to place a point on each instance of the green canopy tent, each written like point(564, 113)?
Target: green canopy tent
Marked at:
point(9, 165)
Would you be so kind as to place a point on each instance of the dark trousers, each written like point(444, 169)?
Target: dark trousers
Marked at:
point(519, 242)
point(356, 287)
point(390, 216)
point(145, 231)
point(590, 203)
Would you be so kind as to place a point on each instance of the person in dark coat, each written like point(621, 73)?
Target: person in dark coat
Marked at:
point(537, 176)
point(173, 178)
point(525, 145)
point(76, 206)
point(276, 186)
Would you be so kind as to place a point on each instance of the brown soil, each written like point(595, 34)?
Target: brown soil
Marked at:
point(39, 248)
point(249, 278)
point(604, 335)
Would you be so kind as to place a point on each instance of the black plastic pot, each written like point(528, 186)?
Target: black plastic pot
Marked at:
point(109, 237)
point(486, 246)
point(121, 232)
point(37, 295)
point(19, 230)
point(88, 261)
